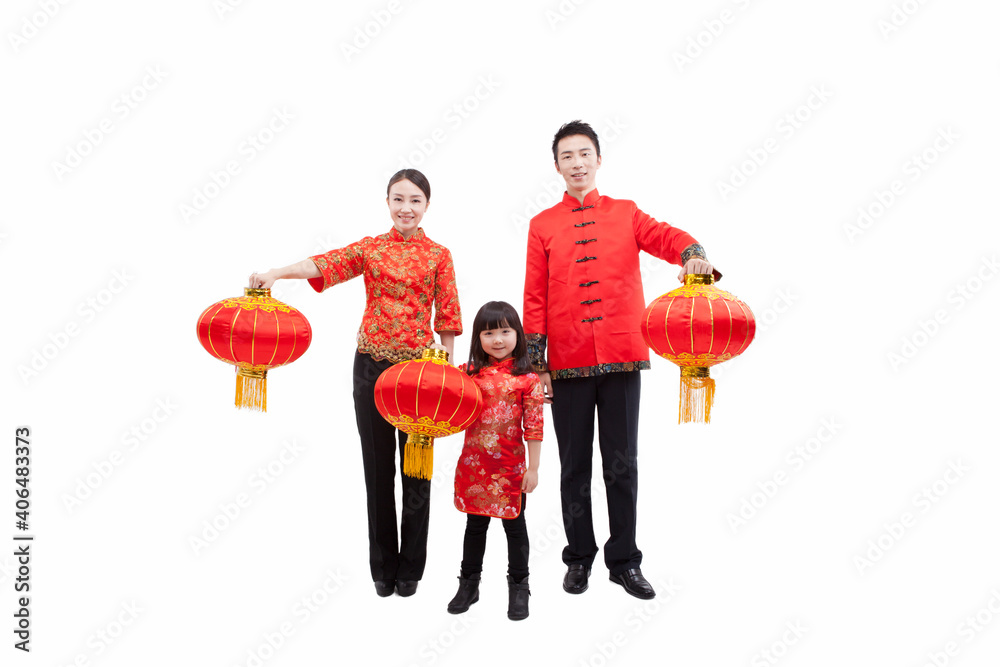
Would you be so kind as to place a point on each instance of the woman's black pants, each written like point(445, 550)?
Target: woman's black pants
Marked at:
point(390, 558)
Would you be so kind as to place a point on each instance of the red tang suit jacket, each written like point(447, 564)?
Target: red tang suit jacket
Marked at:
point(582, 287)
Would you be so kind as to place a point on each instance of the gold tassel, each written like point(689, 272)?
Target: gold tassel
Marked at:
point(418, 457)
point(251, 389)
point(697, 395)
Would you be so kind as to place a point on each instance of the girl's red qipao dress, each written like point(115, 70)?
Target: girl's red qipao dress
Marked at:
point(492, 464)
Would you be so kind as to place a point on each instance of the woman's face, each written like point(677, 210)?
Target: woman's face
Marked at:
point(407, 205)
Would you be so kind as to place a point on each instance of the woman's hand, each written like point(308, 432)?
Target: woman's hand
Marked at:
point(262, 280)
point(529, 481)
point(695, 265)
point(304, 270)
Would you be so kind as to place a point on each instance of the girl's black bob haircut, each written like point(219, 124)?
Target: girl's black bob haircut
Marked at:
point(498, 315)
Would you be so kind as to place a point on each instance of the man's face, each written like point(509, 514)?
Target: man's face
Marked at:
point(577, 160)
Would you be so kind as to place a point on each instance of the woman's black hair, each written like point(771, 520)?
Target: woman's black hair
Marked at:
point(498, 315)
point(413, 176)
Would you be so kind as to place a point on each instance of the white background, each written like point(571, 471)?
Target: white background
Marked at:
point(106, 275)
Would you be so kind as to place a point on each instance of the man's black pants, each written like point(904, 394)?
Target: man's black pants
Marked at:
point(615, 396)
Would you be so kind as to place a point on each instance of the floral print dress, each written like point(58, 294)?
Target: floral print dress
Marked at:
point(492, 464)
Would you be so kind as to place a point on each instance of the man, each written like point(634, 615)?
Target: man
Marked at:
point(583, 301)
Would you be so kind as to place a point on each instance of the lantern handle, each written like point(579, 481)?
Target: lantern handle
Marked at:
point(434, 354)
point(699, 279)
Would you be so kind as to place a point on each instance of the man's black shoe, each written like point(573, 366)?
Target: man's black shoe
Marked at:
point(575, 580)
point(634, 584)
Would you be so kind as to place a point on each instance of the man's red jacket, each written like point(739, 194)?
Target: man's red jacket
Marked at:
point(582, 287)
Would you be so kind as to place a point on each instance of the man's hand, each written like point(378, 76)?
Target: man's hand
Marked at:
point(695, 265)
point(546, 379)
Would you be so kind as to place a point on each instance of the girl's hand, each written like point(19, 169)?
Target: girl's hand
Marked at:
point(262, 280)
point(529, 481)
point(695, 265)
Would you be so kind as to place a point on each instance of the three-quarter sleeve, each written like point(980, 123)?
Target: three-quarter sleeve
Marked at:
point(532, 412)
point(447, 311)
point(339, 265)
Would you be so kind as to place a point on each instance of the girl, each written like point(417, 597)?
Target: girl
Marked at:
point(405, 272)
point(491, 473)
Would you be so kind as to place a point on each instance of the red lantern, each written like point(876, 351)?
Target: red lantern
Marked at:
point(427, 398)
point(255, 332)
point(697, 326)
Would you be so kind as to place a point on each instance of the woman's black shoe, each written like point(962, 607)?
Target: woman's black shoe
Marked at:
point(467, 595)
point(517, 608)
point(384, 587)
point(405, 587)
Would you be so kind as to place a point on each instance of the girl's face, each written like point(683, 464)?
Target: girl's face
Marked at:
point(499, 343)
point(407, 205)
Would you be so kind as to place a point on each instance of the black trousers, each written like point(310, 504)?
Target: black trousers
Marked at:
point(474, 546)
point(615, 396)
point(389, 559)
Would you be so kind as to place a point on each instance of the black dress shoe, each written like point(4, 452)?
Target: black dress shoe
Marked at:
point(575, 580)
point(634, 584)
point(517, 606)
point(384, 587)
point(467, 595)
point(406, 587)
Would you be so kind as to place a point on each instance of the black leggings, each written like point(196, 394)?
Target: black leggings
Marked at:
point(517, 544)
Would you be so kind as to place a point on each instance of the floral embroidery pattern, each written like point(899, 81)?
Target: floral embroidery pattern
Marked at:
point(403, 278)
point(492, 464)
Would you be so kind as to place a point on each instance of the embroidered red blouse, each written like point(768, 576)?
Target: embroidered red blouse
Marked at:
point(402, 279)
point(492, 463)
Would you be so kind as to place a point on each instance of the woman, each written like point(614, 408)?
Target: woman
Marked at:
point(405, 272)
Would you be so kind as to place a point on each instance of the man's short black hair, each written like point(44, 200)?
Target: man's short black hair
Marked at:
point(571, 128)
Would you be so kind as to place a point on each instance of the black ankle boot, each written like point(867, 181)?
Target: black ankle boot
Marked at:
point(467, 595)
point(517, 608)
